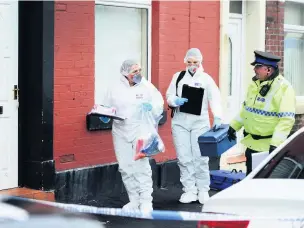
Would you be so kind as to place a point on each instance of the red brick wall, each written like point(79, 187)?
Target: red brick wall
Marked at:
point(74, 146)
point(275, 41)
point(176, 26)
point(275, 29)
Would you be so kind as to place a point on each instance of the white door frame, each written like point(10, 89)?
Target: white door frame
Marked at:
point(237, 74)
point(240, 18)
point(9, 53)
point(243, 49)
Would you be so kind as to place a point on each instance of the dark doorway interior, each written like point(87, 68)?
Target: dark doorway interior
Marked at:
point(36, 80)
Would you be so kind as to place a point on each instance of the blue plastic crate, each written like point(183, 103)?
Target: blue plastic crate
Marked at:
point(214, 143)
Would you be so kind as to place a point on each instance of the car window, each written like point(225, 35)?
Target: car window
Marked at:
point(283, 167)
point(288, 163)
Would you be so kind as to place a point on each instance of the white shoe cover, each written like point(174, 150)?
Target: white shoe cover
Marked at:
point(203, 197)
point(131, 206)
point(188, 197)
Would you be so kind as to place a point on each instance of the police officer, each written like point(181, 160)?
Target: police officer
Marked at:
point(268, 112)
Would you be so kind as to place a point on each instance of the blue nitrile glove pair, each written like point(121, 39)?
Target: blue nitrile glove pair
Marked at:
point(216, 123)
point(146, 107)
point(152, 147)
point(179, 101)
point(105, 119)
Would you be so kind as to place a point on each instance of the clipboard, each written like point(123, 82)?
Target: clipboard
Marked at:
point(195, 97)
point(100, 113)
point(106, 115)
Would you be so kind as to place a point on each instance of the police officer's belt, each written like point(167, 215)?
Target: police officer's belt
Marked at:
point(257, 137)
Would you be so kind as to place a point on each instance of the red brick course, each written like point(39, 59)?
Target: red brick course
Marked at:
point(176, 26)
point(274, 41)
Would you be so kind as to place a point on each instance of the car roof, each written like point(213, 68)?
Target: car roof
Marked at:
point(260, 197)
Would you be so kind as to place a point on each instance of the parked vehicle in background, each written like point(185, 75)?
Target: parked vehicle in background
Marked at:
point(274, 189)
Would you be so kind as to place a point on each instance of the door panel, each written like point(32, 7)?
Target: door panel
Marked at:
point(8, 105)
point(235, 38)
point(235, 97)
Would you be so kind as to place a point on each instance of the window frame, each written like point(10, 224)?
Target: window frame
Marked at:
point(296, 1)
point(296, 29)
point(139, 4)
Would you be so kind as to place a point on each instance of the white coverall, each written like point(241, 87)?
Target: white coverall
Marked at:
point(186, 128)
point(136, 175)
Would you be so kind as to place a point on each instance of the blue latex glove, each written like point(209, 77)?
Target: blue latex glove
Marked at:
point(146, 107)
point(151, 148)
point(216, 123)
point(105, 119)
point(180, 101)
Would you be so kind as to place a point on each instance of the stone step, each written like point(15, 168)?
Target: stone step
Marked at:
point(29, 193)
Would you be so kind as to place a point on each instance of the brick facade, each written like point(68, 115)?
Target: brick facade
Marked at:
point(176, 26)
point(274, 41)
point(74, 88)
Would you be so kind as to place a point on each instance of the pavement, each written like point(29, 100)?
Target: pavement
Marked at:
point(164, 199)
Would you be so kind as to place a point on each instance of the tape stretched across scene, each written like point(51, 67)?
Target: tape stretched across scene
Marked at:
point(159, 214)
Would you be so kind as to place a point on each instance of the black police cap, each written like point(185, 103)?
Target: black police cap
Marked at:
point(266, 58)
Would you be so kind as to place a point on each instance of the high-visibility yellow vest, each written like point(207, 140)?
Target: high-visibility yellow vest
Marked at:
point(272, 115)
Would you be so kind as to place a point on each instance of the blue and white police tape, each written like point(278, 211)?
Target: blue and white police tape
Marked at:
point(162, 214)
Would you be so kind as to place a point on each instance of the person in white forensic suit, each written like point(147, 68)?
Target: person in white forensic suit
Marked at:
point(131, 95)
point(187, 127)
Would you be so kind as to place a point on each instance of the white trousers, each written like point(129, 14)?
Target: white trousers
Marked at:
point(136, 175)
point(194, 168)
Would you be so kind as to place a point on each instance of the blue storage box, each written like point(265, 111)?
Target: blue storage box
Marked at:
point(221, 179)
point(214, 143)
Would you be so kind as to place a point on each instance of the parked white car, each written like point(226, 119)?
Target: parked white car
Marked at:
point(274, 190)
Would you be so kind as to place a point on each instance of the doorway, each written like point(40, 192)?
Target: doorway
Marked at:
point(235, 74)
point(8, 94)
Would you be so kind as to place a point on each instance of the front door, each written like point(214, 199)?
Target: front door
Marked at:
point(235, 86)
point(8, 98)
point(234, 60)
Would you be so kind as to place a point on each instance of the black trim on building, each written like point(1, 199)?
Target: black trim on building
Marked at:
point(102, 185)
point(36, 84)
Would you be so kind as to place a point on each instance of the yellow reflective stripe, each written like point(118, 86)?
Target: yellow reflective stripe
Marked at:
point(271, 95)
point(278, 139)
point(239, 119)
point(236, 125)
point(279, 135)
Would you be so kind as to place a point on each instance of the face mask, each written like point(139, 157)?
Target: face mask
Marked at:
point(137, 78)
point(193, 68)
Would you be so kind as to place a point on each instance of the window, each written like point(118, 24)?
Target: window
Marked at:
point(122, 31)
point(288, 163)
point(294, 45)
point(235, 6)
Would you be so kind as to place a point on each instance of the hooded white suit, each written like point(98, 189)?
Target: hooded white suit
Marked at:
point(186, 128)
point(136, 175)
